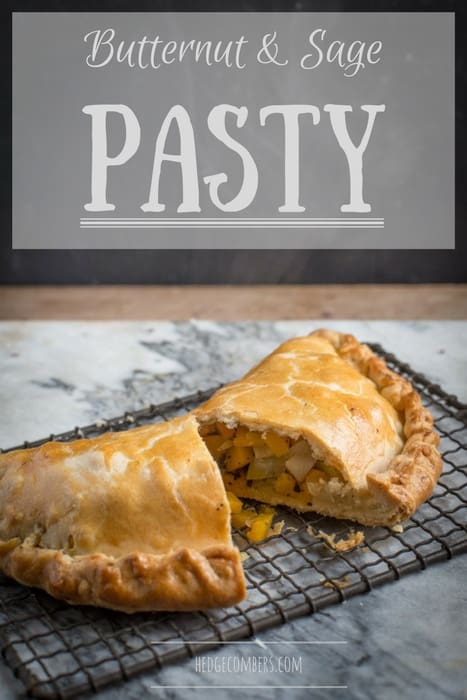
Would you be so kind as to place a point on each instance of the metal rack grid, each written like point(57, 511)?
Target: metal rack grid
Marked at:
point(59, 651)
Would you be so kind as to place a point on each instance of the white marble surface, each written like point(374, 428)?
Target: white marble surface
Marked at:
point(405, 640)
point(56, 375)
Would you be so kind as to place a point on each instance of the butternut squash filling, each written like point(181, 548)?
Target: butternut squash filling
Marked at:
point(269, 467)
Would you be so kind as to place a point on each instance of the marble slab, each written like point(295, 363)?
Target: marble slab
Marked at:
point(56, 375)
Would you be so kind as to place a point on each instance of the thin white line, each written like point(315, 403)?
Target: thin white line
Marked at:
point(234, 219)
point(241, 225)
point(182, 224)
point(243, 641)
point(232, 228)
point(272, 687)
point(231, 221)
point(221, 224)
point(246, 218)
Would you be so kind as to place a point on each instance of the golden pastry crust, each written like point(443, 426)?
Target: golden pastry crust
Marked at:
point(368, 421)
point(134, 520)
point(184, 580)
point(412, 474)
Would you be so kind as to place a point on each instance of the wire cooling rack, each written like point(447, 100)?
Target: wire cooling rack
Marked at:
point(59, 651)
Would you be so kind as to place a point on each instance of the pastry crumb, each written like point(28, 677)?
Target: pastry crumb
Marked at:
point(276, 529)
point(397, 528)
point(339, 582)
point(354, 539)
point(244, 556)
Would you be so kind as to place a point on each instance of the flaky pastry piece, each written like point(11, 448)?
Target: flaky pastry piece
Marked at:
point(322, 424)
point(132, 521)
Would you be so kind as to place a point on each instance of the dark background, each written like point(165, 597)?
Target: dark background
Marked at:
point(232, 267)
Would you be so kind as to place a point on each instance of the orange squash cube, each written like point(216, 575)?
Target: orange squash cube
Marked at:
point(243, 518)
point(213, 443)
point(223, 430)
point(238, 457)
point(284, 483)
point(207, 429)
point(278, 444)
point(247, 438)
point(234, 502)
point(260, 527)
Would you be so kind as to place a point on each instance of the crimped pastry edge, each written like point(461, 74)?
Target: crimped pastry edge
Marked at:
point(182, 576)
point(181, 581)
point(412, 474)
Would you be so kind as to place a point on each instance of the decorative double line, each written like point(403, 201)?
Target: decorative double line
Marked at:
point(234, 223)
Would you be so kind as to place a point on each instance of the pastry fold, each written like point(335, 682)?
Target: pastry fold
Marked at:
point(323, 425)
point(132, 521)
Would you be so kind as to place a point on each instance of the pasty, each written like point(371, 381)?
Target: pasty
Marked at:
point(323, 425)
point(134, 520)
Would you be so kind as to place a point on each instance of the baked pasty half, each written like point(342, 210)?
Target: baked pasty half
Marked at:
point(134, 520)
point(323, 425)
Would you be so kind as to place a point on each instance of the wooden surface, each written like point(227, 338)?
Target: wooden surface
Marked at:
point(234, 303)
